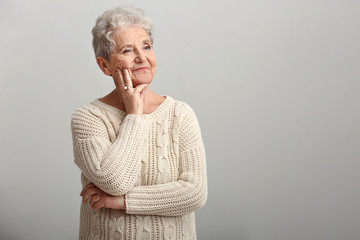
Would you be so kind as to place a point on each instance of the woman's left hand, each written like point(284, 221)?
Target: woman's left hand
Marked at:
point(100, 199)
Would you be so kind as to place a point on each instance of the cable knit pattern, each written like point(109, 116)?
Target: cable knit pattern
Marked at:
point(157, 161)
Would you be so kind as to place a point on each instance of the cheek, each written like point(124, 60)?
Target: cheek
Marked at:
point(118, 62)
point(152, 60)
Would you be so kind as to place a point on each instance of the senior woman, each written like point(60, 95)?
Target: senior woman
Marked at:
point(141, 154)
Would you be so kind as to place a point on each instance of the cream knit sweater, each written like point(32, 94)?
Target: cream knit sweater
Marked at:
point(157, 161)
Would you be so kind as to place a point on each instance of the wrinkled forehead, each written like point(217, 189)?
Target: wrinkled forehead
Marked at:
point(130, 34)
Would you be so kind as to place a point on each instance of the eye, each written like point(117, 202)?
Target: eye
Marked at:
point(127, 50)
point(147, 47)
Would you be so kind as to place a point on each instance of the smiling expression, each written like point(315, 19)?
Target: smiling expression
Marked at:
point(132, 51)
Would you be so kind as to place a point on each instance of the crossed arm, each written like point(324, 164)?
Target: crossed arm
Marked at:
point(113, 175)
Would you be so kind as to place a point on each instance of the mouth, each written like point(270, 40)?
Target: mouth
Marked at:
point(140, 69)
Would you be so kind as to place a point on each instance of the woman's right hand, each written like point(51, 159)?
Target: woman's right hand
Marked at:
point(133, 98)
point(100, 199)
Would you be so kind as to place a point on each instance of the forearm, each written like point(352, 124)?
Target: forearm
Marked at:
point(113, 167)
point(101, 199)
point(186, 195)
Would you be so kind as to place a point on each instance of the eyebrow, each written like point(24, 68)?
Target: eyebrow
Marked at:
point(130, 45)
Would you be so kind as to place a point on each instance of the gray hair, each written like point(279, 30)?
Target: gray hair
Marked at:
point(106, 24)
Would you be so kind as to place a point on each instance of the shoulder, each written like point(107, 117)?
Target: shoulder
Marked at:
point(184, 114)
point(188, 130)
point(88, 111)
point(88, 118)
point(182, 108)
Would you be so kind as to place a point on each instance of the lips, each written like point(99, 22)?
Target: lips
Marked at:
point(140, 68)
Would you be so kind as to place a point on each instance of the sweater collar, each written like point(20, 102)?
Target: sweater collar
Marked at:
point(153, 116)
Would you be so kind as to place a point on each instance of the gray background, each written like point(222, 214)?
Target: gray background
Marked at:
point(275, 85)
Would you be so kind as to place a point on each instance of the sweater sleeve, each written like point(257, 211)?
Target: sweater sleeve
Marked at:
point(185, 195)
point(113, 166)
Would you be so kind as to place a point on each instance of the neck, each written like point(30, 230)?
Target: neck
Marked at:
point(151, 100)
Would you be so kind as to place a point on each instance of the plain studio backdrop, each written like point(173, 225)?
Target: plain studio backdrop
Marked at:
point(275, 86)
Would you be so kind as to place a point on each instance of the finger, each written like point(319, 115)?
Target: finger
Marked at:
point(119, 79)
point(90, 185)
point(94, 199)
point(140, 87)
point(90, 192)
point(127, 78)
point(99, 204)
point(86, 188)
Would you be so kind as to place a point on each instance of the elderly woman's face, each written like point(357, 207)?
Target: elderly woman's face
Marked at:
point(133, 51)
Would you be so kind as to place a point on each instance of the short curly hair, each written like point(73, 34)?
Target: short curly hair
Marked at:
point(106, 24)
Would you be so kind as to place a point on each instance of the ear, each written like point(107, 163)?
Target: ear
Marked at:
point(103, 64)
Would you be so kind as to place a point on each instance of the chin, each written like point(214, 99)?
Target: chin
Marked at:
point(137, 82)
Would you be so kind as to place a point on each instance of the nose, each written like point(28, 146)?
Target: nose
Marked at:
point(140, 56)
